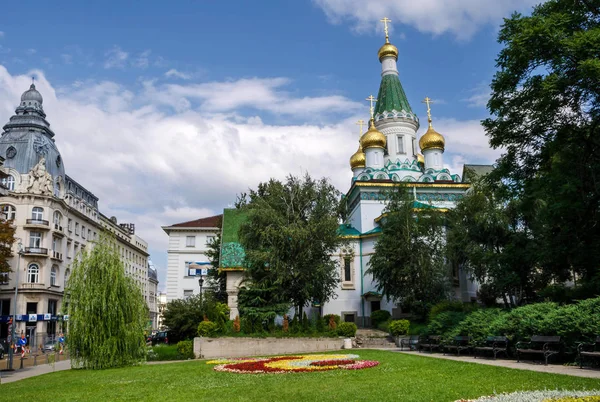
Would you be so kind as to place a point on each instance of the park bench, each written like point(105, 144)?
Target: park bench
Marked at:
point(411, 343)
point(494, 344)
point(588, 351)
point(430, 342)
point(458, 344)
point(540, 345)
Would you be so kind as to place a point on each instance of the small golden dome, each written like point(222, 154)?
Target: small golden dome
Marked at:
point(432, 139)
point(420, 159)
point(358, 160)
point(372, 138)
point(388, 50)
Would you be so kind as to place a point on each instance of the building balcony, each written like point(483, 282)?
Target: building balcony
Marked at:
point(35, 252)
point(58, 230)
point(32, 286)
point(56, 256)
point(37, 224)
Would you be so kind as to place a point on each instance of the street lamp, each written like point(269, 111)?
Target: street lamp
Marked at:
point(14, 323)
point(201, 282)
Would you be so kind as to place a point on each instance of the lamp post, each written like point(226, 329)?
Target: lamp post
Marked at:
point(14, 323)
point(201, 282)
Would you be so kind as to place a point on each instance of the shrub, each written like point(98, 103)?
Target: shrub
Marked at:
point(320, 325)
point(236, 324)
point(450, 305)
point(444, 322)
point(336, 319)
point(208, 329)
point(523, 322)
point(347, 329)
point(186, 349)
point(478, 324)
point(399, 327)
point(305, 323)
point(379, 316)
point(163, 353)
point(286, 324)
point(384, 326)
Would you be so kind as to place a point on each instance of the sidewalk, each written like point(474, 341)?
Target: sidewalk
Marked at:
point(524, 365)
point(10, 376)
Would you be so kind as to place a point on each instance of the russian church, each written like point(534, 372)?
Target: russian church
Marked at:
point(387, 156)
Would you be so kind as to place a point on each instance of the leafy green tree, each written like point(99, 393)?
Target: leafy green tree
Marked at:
point(260, 301)
point(546, 117)
point(217, 278)
point(289, 237)
point(7, 240)
point(408, 263)
point(107, 311)
point(182, 316)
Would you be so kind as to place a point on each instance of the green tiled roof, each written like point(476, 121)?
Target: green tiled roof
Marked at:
point(347, 230)
point(373, 231)
point(391, 96)
point(232, 252)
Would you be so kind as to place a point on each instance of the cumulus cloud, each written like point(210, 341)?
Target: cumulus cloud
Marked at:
point(115, 58)
point(462, 18)
point(142, 60)
point(479, 96)
point(173, 73)
point(154, 167)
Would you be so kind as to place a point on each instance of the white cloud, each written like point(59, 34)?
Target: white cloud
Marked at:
point(479, 96)
point(142, 60)
point(115, 58)
point(462, 18)
point(30, 52)
point(154, 168)
point(177, 74)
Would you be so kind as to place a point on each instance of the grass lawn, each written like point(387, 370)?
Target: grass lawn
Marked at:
point(399, 377)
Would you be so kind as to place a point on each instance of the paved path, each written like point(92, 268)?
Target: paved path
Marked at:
point(531, 366)
point(10, 376)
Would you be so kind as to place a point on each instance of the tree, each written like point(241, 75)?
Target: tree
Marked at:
point(289, 237)
point(546, 116)
point(408, 263)
point(107, 311)
point(7, 239)
point(218, 278)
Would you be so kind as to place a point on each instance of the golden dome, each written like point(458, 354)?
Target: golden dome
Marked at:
point(388, 50)
point(358, 160)
point(432, 139)
point(420, 159)
point(372, 138)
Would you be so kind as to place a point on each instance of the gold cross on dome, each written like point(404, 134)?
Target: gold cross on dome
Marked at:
point(428, 101)
point(385, 21)
point(371, 99)
point(360, 123)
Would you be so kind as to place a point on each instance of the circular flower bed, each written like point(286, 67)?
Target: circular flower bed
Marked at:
point(541, 396)
point(292, 364)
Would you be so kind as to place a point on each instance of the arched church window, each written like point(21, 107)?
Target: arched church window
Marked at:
point(33, 273)
point(9, 182)
point(57, 189)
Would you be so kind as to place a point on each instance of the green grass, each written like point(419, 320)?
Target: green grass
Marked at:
point(399, 377)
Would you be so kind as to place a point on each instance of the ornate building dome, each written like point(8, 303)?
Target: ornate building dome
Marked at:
point(432, 140)
point(31, 95)
point(373, 138)
point(358, 160)
point(387, 50)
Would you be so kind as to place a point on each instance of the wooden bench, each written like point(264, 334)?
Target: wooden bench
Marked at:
point(430, 342)
point(540, 345)
point(459, 343)
point(411, 343)
point(494, 344)
point(588, 351)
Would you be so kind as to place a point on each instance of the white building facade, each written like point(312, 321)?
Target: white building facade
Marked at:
point(187, 261)
point(56, 219)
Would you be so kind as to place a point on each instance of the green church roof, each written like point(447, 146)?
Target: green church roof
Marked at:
point(391, 97)
point(232, 252)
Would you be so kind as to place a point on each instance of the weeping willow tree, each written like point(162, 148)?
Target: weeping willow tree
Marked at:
point(107, 312)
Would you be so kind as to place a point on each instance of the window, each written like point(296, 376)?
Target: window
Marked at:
point(10, 212)
point(349, 317)
point(56, 244)
point(347, 270)
point(37, 214)
point(53, 274)
point(83, 231)
point(400, 141)
point(414, 145)
point(67, 275)
point(32, 308)
point(33, 274)
point(209, 239)
point(375, 305)
point(69, 249)
point(190, 241)
point(187, 293)
point(9, 182)
point(57, 189)
point(77, 228)
point(95, 236)
point(70, 225)
point(57, 218)
point(89, 235)
point(4, 278)
point(35, 239)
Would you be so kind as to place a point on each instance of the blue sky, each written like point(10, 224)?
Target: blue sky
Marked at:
point(166, 110)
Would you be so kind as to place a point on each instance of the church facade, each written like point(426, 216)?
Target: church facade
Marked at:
point(55, 220)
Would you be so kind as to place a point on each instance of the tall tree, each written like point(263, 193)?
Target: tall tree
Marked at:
point(7, 239)
point(408, 263)
point(107, 312)
point(546, 116)
point(289, 237)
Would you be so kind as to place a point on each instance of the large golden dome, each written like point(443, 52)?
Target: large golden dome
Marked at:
point(372, 138)
point(388, 50)
point(432, 139)
point(420, 159)
point(358, 160)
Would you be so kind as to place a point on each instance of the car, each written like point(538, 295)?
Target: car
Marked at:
point(164, 337)
point(50, 346)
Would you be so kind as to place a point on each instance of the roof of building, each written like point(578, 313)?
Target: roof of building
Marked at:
point(209, 222)
point(391, 97)
point(346, 229)
point(232, 252)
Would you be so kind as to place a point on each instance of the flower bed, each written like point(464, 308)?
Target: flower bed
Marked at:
point(541, 396)
point(292, 364)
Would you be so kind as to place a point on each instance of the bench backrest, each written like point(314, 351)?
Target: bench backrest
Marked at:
point(497, 339)
point(545, 339)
